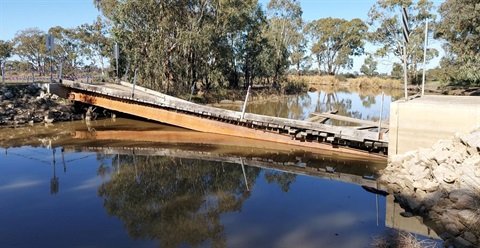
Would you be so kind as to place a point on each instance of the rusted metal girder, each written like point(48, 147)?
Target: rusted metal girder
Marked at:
point(202, 124)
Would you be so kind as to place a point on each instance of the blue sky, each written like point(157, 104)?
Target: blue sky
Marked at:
point(16, 15)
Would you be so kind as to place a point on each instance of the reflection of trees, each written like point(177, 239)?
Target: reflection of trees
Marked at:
point(176, 201)
point(292, 107)
point(284, 180)
point(367, 100)
point(329, 101)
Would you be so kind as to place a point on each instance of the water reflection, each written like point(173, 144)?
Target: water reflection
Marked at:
point(175, 200)
point(178, 187)
point(362, 104)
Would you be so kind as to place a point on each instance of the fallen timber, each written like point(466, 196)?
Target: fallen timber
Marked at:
point(160, 107)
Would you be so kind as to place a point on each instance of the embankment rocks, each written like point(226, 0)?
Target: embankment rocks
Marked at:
point(441, 184)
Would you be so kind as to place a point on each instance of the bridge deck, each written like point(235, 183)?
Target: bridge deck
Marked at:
point(154, 105)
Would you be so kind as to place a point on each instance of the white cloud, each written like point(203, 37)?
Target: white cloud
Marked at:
point(20, 184)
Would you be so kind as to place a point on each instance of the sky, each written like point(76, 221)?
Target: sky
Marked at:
point(16, 15)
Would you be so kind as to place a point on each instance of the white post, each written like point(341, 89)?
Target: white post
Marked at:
point(405, 69)
point(380, 120)
point(245, 104)
point(425, 56)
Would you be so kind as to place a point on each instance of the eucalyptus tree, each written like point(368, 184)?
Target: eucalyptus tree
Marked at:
point(5, 50)
point(181, 43)
point(334, 40)
point(369, 66)
point(460, 27)
point(252, 47)
point(285, 25)
point(5, 53)
point(97, 46)
point(385, 21)
point(68, 46)
point(298, 56)
point(29, 45)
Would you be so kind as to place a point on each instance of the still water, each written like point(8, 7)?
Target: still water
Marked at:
point(366, 105)
point(132, 183)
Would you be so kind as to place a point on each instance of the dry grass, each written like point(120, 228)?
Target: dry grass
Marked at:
point(359, 82)
point(400, 239)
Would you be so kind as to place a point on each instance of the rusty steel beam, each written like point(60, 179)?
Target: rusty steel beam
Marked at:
point(202, 124)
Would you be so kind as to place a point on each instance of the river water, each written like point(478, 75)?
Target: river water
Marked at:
point(133, 183)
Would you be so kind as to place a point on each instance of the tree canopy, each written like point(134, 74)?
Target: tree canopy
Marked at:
point(175, 45)
point(385, 22)
point(460, 27)
point(5, 50)
point(334, 40)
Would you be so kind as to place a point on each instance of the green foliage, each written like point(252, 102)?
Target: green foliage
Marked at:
point(29, 45)
point(369, 66)
point(334, 41)
point(5, 50)
point(385, 21)
point(212, 43)
point(460, 27)
point(397, 70)
point(284, 35)
point(95, 42)
point(295, 86)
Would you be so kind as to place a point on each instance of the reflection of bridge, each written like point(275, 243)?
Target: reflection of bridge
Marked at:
point(322, 167)
point(326, 167)
point(163, 108)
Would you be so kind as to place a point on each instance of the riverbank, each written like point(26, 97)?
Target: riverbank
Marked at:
point(376, 83)
point(441, 186)
point(28, 104)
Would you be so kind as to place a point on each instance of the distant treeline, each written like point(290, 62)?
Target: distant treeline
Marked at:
point(173, 45)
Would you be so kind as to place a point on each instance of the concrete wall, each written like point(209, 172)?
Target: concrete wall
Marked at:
point(422, 121)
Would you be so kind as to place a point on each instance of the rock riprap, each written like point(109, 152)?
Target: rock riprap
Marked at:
point(441, 184)
point(22, 104)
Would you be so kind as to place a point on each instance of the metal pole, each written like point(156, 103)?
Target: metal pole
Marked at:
point(380, 120)
point(61, 71)
point(405, 69)
point(88, 75)
point(191, 92)
point(117, 54)
point(51, 73)
point(425, 56)
point(246, 100)
point(244, 174)
point(3, 73)
point(134, 82)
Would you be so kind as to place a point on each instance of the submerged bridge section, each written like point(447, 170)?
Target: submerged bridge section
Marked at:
point(149, 104)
